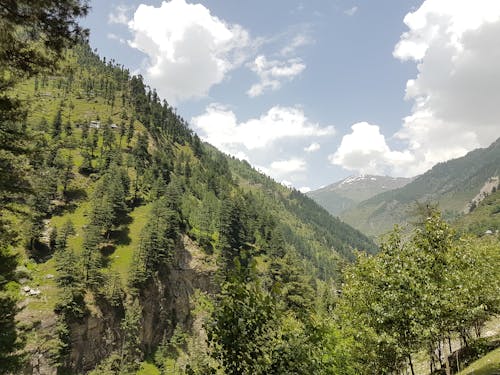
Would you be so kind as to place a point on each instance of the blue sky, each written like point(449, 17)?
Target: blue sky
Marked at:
point(312, 91)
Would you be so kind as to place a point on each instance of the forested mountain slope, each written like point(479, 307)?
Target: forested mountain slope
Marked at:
point(345, 194)
point(452, 184)
point(127, 246)
point(128, 223)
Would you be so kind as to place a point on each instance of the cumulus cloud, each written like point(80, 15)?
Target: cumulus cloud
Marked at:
point(220, 127)
point(455, 93)
point(315, 146)
point(272, 142)
point(272, 73)
point(305, 189)
point(365, 150)
point(457, 89)
point(286, 167)
point(189, 49)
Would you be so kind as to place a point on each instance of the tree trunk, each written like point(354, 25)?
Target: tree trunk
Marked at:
point(464, 334)
point(431, 354)
point(411, 365)
point(440, 354)
point(446, 360)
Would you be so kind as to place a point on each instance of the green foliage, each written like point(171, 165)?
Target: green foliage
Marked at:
point(453, 184)
point(9, 340)
point(158, 239)
point(244, 329)
point(271, 315)
point(415, 293)
point(131, 327)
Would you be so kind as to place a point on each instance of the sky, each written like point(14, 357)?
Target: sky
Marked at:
point(310, 92)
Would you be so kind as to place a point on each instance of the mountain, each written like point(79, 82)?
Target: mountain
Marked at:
point(130, 229)
point(484, 216)
point(345, 194)
point(452, 184)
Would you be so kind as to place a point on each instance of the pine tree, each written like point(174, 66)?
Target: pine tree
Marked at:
point(9, 340)
point(57, 124)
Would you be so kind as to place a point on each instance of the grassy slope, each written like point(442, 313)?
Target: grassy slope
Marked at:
point(487, 365)
point(44, 104)
point(485, 217)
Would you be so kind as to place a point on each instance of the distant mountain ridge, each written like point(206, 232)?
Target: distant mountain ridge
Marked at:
point(345, 194)
point(452, 184)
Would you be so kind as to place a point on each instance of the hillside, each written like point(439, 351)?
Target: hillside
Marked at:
point(452, 184)
point(483, 219)
point(129, 222)
point(345, 194)
point(130, 247)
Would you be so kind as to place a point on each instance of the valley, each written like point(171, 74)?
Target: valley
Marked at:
point(131, 246)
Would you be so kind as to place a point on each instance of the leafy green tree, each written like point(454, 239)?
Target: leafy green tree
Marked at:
point(414, 293)
point(243, 331)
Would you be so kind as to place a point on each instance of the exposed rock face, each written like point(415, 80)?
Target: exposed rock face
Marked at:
point(95, 337)
point(489, 187)
point(166, 303)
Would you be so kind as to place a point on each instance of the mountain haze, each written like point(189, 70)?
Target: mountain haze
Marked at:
point(452, 184)
point(345, 194)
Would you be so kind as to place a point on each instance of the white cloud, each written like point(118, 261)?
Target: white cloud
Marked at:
point(299, 40)
point(119, 16)
point(273, 72)
point(189, 49)
point(220, 127)
point(286, 167)
point(457, 89)
point(366, 151)
point(272, 142)
point(351, 11)
point(315, 146)
point(305, 189)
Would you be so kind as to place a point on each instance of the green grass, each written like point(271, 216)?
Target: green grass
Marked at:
point(44, 303)
point(121, 258)
point(487, 365)
point(79, 219)
point(147, 368)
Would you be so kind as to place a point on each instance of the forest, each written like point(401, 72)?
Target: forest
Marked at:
point(129, 246)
